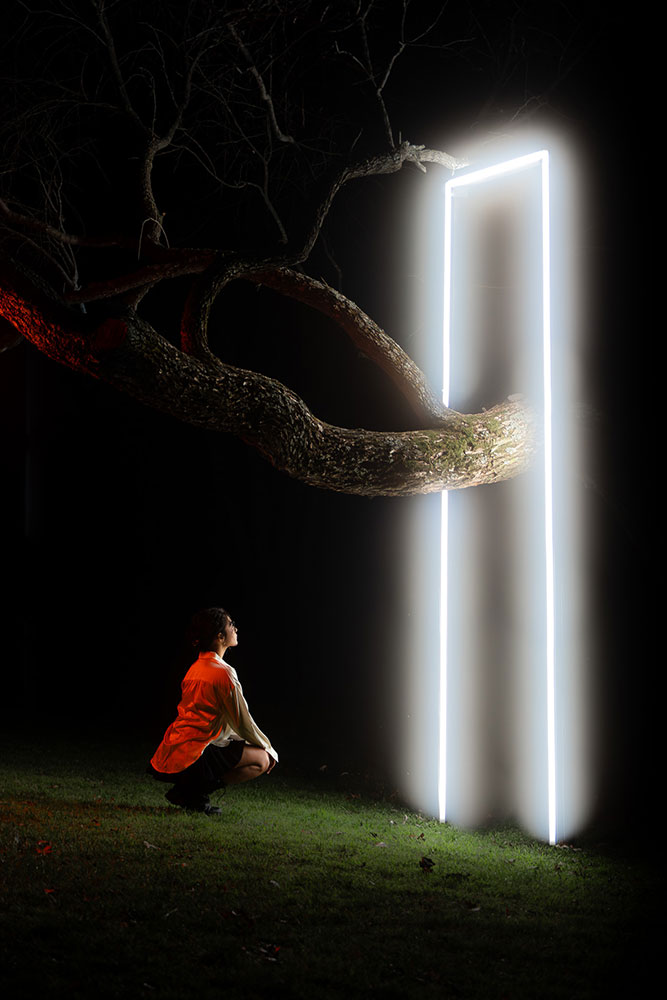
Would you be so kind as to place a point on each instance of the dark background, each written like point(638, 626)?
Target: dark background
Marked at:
point(119, 522)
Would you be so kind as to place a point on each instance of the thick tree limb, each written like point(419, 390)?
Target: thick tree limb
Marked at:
point(130, 355)
point(366, 335)
point(174, 264)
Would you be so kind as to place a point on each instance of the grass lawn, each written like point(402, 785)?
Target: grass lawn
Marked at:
point(305, 887)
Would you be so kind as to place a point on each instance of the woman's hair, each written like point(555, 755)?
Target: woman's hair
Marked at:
point(205, 625)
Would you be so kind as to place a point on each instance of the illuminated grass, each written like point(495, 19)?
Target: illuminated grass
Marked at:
point(301, 889)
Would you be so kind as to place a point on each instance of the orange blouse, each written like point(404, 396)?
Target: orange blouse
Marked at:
point(212, 710)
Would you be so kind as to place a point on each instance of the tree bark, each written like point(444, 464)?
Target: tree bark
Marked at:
point(127, 353)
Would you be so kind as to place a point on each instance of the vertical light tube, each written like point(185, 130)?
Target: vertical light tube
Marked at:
point(444, 520)
point(540, 159)
point(548, 501)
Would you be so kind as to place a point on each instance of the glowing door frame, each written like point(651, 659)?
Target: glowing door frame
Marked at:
point(541, 160)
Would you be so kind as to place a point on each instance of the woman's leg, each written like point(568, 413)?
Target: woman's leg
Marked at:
point(212, 771)
point(191, 790)
point(193, 785)
point(254, 761)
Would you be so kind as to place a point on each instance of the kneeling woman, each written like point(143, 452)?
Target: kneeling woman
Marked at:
point(213, 742)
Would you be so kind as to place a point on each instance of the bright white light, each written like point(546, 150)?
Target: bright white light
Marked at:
point(456, 185)
point(548, 497)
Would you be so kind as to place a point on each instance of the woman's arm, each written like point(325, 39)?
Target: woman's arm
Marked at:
point(241, 721)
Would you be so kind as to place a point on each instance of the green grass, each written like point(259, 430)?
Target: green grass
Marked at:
point(308, 888)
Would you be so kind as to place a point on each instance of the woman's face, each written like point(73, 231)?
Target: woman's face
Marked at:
point(230, 635)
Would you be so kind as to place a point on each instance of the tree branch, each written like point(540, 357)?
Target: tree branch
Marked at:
point(385, 163)
point(115, 64)
point(130, 355)
point(366, 335)
point(228, 267)
point(31, 224)
point(175, 264)
point(264, 94)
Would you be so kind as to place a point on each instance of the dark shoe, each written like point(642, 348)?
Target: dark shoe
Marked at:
point(175, 799)
point(201, 805)
point(192, 805)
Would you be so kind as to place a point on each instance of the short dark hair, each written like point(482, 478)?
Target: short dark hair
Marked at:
point(205, 626)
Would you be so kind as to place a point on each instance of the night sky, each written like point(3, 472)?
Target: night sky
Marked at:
point(120, 522)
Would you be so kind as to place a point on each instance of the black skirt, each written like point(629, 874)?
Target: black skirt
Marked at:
point(209, 770)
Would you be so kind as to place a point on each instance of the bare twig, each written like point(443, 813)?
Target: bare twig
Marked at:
point(114, 62)
point(264, 94)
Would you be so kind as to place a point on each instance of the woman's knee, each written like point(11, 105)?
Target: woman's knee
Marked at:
point(255, 758)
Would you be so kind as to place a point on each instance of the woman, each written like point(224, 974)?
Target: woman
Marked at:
point(213, 742)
